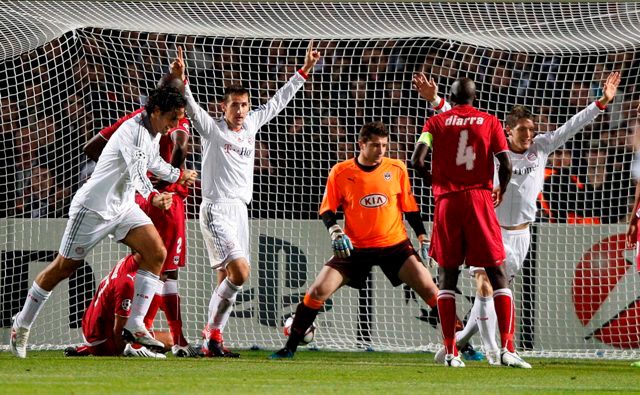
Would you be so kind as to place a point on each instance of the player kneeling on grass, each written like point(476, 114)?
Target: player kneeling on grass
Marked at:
point(105, 317)
point(374, 192)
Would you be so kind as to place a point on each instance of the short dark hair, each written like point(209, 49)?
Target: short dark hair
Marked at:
point(234, 89)
point(517, 113)
point(170, 80)
point(165, 99)
point(372, 129)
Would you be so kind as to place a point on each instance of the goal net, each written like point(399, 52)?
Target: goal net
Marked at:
point(68, 69)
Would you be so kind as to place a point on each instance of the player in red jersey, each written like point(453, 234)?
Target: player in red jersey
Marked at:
point(170, 223)
point(464, 142)
point(104, 319)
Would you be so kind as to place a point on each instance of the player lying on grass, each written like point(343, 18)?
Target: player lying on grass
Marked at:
point(228, 152)
point(106, 315)
point(374, 192)
point(528, 153)
point(105, 205)
point(170, 223)
point(464, 143)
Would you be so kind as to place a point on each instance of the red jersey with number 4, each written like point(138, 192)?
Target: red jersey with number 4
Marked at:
point(464, 143)
point(112, 298)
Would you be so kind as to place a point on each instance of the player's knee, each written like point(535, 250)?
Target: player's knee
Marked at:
point(62, 268)
point(483, 285)
point(238, 271)
point(317, 292)
point(155, 256)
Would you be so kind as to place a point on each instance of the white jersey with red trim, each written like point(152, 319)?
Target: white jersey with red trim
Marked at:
point(228, 156)
point(122, 169)
point(527, 179)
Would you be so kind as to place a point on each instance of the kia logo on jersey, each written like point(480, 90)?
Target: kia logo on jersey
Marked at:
point(604, 295)
point(373, 200)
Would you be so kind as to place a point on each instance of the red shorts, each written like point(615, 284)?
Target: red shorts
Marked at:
point(171, 227)
point(466, 230)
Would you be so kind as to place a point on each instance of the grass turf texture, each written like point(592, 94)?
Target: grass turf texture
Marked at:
point(49, 372)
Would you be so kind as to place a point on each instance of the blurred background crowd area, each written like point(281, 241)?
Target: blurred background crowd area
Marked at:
point(57, 97)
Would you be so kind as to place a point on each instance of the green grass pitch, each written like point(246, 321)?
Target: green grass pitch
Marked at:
point(311, 372)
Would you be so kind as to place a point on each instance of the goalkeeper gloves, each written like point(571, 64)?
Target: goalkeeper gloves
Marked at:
point(340, 242)
point(425, 244)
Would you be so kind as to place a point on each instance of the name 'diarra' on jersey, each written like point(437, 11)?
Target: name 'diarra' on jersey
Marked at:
point(457, 121)
point(373, 200)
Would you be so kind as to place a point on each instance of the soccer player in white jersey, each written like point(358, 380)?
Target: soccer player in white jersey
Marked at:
point(632, 231)
point(528, 153)
point(105, 205)
point(228, 152)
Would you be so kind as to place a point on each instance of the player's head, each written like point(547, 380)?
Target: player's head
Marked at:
point(165, 107)
point(373, 141)
point(463, 91)
point(171, 81)
point(235, 105)
point(520, 129)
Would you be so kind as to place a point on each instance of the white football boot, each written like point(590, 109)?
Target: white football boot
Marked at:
point(513, 359)
point(440, 354)
point(452, 361)
point(19, 338)
point(187, 351)
point(493, 357)
point(141, 352)
point(141, 336)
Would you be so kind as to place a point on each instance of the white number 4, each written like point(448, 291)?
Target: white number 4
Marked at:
point(465, 155)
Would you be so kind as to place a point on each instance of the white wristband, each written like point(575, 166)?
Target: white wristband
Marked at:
point(335, 228)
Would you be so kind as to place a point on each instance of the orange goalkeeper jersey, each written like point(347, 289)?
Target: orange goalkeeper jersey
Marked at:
point(372, 202)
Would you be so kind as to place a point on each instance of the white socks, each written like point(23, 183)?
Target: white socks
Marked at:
point(487, 323)
point(145, 287)
point(32, 306)
point(482, 318)
point(221, 304)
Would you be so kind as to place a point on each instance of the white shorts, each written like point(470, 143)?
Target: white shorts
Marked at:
point(225, 229)
point(86, 228)
point(516, 245)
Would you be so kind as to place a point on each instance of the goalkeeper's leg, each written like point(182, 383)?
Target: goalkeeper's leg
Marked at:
point(329, 280)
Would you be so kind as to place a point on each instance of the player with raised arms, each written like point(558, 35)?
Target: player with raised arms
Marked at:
point(228, 151)
point(105, 205)
point(170, 223)
point(374, 192)
point(464, 142)
point(528, 153)
point(106, 315)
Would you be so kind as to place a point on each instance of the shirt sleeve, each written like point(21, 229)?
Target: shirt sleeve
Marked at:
point(183, 125)
point(550, 141)
point(277, 103)
point(202, 121)
point(123, 294)
point(107, 132)
point(331, 199)
point(407, 200)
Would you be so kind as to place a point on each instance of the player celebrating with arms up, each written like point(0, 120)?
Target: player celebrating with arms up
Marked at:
point(374, 192)
point(464, 143)
point(106, 205)
point(228, 146)
point(528, 154)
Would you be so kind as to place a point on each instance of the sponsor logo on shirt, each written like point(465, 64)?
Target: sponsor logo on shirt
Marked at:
point(525, 170)
point(373, 200)
point(242, 151)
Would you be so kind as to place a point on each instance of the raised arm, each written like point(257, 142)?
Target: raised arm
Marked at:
point(553, 140)
point(418, 159)
point(283, 96)
point(428, 90)
point(202, 121)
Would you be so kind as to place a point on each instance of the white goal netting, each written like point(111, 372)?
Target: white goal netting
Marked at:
point(68, 69)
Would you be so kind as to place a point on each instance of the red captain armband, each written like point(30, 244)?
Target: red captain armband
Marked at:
point(601, 106)
point(303, 74)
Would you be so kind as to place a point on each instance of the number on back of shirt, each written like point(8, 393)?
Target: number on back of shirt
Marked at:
point(465, 155)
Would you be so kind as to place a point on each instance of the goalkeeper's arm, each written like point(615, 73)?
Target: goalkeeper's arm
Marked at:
point(340, 242)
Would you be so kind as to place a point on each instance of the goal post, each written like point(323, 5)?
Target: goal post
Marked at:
point(67, 69)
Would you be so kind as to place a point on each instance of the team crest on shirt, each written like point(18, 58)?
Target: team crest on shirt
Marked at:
point(387, 175)
point(532, 156)
point(126, 304)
